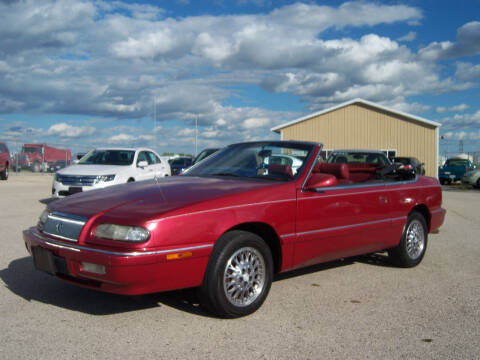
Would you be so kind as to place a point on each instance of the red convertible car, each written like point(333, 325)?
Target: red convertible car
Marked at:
point(231, 222)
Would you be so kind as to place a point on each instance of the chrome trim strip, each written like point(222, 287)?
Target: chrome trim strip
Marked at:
point(437, 210)
point(311, 167)
point(113, 253)
point(69, 216)
point(60, 236)
point(67, 220)
point(344, 227)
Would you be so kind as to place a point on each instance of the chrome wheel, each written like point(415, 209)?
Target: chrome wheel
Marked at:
point(415, 239)
point(244, 276)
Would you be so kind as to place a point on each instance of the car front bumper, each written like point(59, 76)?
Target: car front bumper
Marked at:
point(126, 272)
point(61, 190)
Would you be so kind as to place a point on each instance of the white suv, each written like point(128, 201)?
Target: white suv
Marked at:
point(108, 166)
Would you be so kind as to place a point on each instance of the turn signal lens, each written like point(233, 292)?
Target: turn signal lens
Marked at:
point(177, 256)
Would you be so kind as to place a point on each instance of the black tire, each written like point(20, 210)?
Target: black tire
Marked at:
point(411, 249)
point(233, 289)
point(478, 184)
point(4, 173)
point(130, 180)
point(442, 181)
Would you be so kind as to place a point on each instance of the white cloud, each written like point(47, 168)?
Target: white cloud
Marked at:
point(468, 43)
point(467, 71)
point(455, 108)
point(255, 122)
point(121, 138)
point(65, 130)
point(186, 132)
point(410, 36)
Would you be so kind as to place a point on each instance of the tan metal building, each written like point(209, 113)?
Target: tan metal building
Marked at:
point(360, 124)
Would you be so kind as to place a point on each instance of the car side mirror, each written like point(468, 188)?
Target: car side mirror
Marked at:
point(142, 164)
point(317, 180)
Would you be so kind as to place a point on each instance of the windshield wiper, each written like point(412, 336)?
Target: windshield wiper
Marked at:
point(225, 174)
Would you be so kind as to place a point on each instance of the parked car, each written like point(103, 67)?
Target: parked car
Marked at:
point(57, 165)
point(106, 167)
point(4, 161)
point(410, 164)
point(472, 177)
point(179, 164)
point(358, 157)
point(229, 223)
point(454, 169)
point(289, 160)
point(204, 154)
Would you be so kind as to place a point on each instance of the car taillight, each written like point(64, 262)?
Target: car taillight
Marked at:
point(408, 166)
point(468, 169)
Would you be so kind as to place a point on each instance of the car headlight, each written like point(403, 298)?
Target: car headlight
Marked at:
point(42, 219)
point(122, 233)
point(105, 178)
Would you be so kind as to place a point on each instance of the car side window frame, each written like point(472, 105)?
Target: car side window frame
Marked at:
point(141, 153)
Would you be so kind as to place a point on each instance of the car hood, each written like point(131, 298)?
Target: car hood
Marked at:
point(150, 199)
point(92, 170)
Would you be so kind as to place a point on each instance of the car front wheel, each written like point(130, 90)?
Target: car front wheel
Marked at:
point(412, 246)
point(238, 276)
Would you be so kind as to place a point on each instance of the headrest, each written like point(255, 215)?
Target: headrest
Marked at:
point(339, 170)
point(280, 169)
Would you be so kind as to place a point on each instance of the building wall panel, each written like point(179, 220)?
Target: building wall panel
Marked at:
point(358, 126)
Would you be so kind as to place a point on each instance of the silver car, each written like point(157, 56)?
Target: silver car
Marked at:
point(472, 177)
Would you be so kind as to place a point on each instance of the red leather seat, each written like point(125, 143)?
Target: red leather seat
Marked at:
point(339, 170)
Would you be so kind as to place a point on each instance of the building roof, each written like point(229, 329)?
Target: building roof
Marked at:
point(357, 101)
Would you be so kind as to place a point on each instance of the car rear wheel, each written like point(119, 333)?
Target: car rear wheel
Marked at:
point(238, 276)
point(478, 184)
point(412, 246)
point(4, 173)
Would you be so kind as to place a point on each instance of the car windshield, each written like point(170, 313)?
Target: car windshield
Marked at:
point(260, 160)
point(456, 162)
point(358, 158)
point(404, 161)
point(205, 153)
point(31, 150)
point(108, 157)
point(178, 161)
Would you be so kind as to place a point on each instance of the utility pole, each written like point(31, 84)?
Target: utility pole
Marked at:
point(155, 122)
point(196, 133)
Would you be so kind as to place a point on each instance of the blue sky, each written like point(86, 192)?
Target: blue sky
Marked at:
point(88, 73)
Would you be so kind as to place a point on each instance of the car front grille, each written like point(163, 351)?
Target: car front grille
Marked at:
point(76, 180)
point(64, 226)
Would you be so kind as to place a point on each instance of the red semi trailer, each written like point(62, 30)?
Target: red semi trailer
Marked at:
point(38, 157)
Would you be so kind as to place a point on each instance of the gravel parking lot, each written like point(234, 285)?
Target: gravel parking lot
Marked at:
point(358, 308)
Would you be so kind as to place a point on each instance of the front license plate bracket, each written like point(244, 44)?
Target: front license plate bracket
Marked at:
point(44, 260)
